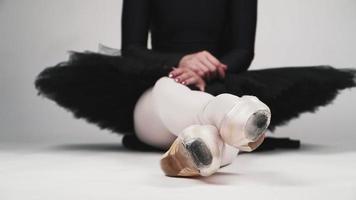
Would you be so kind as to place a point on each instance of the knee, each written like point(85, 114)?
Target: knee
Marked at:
point(164, 81)
point(167, 86)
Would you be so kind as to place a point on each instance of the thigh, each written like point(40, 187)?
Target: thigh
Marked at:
point(148, 125)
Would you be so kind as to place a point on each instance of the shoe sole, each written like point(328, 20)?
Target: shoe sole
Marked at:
point(199, 152)
point(256, 125)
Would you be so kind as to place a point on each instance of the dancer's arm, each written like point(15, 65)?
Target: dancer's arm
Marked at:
point(136, 19)
point(243, 20)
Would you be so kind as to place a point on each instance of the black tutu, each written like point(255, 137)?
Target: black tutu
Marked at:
point(103, 89)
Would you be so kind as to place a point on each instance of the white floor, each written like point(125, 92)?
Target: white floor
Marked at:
point(108, 171)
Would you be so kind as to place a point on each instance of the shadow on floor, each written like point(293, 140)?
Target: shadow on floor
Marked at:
point(99, 147)
point(305, 148)
point(312, 149)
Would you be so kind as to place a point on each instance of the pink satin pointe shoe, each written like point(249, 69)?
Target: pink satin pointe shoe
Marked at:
point(242, 121)
point(197, 151)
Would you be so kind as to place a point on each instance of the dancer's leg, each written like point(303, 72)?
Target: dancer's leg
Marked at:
point(200, 150)
point(240, 120)
point(169, 108)
point(177, 105)
point(163, 111)
point(149, 126)
point(180, 106)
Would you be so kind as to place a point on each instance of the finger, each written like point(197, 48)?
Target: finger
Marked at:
point(197, 70)
point(201, 87)
point(183, 77)
point(201, 84)
point(170, 75)
point(223, 66)
point(191, 80)
point(205, 61)
point(200, 73)
point(212, 59)
point(176, 72)
point(212, 69)
point(172, 72)
point(205, 69)
point(221, 72)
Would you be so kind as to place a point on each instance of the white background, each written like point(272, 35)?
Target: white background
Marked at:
point(36, 34)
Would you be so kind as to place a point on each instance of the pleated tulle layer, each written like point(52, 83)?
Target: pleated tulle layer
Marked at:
point(103, 89)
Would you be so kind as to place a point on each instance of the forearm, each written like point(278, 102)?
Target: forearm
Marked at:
point(243, 23)
point(238, 60)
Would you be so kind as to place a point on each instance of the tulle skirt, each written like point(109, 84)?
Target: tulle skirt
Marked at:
point(103, 89)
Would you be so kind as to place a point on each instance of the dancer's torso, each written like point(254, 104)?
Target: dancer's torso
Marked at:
point(189, 25)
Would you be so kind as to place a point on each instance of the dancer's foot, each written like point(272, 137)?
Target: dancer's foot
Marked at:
point(242, 121)
point(196, 152)
point(245, 125)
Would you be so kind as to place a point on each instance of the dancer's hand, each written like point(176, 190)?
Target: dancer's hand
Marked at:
point(187, 76)
point(204, 64)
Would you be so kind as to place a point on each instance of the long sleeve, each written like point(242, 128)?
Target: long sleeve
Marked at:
point(243, 20)
point(136, 19)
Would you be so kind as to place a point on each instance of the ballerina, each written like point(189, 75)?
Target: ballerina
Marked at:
point(112, 89)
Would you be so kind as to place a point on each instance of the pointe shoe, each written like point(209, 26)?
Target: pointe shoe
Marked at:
point(242, 121)
point(197, 151)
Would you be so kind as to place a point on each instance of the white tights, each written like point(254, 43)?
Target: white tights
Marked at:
point(165, 109)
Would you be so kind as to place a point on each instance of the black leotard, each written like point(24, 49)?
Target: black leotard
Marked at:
point(225, 28)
